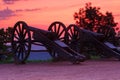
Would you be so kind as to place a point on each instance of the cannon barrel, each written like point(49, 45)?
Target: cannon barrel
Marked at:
point(88, 33)
point(36, 29)
point(93, 33)
point(48, 34)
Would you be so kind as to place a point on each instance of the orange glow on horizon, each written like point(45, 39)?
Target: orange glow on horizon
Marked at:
point(41, 13)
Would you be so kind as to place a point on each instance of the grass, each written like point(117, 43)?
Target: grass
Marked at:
point(95, 57)
point(9, 59)
point(6, 61)
point(49, 60)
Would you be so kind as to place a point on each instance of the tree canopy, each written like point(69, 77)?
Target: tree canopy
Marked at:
point(92, 18)
point(5, 36)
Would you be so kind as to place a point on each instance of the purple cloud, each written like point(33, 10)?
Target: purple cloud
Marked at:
point(19, 10)
point(28, 10)
point(35, 9)
point(4, 14)
point(9, 1)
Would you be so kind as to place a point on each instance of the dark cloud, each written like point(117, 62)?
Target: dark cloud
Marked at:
point(35, 9)
point(28, 10)
point(19, 10)
point(4, 14)
point(9, 1)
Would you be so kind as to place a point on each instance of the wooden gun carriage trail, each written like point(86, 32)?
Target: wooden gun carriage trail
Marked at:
point(61, 42)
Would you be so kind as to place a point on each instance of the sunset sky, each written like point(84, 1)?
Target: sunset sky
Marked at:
point(41, 13)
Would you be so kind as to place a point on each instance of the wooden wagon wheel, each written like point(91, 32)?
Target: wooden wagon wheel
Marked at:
point(74, 37)
point(109, 33)
point(76, 40)
point(21, 42)
point(60, 30)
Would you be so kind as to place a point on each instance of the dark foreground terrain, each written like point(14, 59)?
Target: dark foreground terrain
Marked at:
point(88, 70)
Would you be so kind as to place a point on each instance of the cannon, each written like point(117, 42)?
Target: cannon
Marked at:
point(82, 40)
point(54, 40)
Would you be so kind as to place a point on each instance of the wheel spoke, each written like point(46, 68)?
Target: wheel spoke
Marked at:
point(15, 37)
point(19, 27)
point(26, 45)
point(24, 49)
point(69, 35)
point(17, 48)
point(71, 31)
point(52, 30)
point(77, 33)
point(55, 28)
point(74, 30)
point(26, 39)
point(25, 33)
point(22, 53)
point(19, 52)
point(22, 31)
point(58, 30)
point(61, 33)
point(16, 30)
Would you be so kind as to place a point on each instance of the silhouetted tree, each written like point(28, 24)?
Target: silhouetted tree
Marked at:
point(5, 36)
point(2, 39)
point(91, 18)
point(8, 34)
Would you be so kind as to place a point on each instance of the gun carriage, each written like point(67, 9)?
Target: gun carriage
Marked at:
point(65, 43)
point(54, 40)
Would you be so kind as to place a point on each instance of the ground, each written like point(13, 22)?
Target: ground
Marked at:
point(88, 70)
